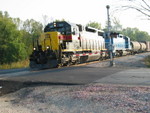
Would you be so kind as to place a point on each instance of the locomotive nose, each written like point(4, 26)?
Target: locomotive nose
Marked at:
point(45, 56)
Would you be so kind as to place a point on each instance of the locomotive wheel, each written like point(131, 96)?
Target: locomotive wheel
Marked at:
point(74, 63)
point(69, 64)
point(59, 65)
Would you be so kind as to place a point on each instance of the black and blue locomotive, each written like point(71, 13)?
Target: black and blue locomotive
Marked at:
point(120, 44)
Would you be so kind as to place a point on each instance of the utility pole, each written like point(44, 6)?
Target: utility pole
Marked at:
point(110, 39)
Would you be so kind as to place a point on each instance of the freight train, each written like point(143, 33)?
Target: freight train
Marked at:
point(124, 46)
point(64, 43)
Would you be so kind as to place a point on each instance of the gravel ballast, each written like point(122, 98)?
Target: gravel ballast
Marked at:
point(93, 98)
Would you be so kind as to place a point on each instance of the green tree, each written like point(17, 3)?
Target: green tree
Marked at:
point(94, 25)
point(27, 40)
point(18, 23)
point(31, 31)
point(33, 27)
point(136, 34)
point(11, 47)
point(130, 32)
point(117, 27)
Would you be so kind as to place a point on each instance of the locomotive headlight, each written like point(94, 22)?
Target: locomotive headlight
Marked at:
point(34, 48)
point(60, 41)
point(47, 47)
point(54, 24)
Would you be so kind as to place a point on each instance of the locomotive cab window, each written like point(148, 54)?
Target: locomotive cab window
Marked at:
point(68, 30)
point(100, 33)
point(75, 31)
point(89, 29)
point(61, 27)
point(120, 36)
point(80, 27)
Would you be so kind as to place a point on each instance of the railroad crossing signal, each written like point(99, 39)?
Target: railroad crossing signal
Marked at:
point(110, 42)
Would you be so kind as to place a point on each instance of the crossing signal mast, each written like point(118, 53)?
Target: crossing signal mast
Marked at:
point(110, 40)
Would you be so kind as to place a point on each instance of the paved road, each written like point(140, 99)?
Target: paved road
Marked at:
point(139, 76)
point(73, 75)
point(127, 71)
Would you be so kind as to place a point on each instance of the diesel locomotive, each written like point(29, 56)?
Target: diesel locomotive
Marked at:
point(65, 43)
point(122, 45)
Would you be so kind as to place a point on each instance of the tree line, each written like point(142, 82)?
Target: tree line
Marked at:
point(16, 36)
point(134, 33)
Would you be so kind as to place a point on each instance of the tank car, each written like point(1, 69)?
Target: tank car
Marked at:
point(142, 47)
point(135, 46)
point(65, 43)
point(138, 47)
point(147, 46)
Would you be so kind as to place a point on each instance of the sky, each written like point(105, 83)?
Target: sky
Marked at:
point(75, 11)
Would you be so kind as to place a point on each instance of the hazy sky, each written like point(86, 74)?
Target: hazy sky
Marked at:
point(77, 11)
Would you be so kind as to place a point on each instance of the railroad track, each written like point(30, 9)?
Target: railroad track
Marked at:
point(75, 65)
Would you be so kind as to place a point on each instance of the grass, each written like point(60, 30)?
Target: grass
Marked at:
point(14, 65)
point(25, 63)
point(147, 61)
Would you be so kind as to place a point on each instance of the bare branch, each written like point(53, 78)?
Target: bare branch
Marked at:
point(146, 3)
point(144, 8)
point(138, 9)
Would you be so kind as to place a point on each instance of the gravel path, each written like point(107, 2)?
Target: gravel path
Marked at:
point(90, 98)
point(93, 98)
point(127, 62)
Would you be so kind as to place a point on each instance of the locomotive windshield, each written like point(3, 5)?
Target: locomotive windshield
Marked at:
point(61, 27)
